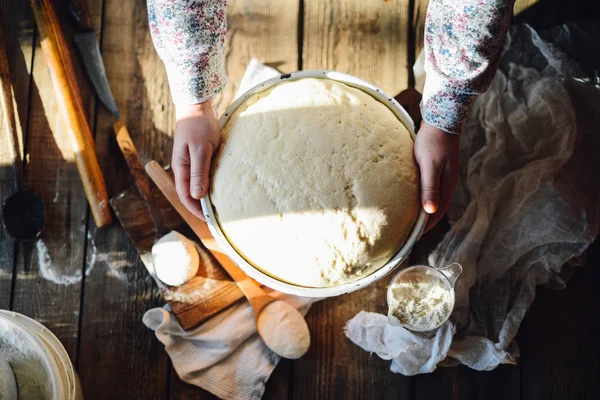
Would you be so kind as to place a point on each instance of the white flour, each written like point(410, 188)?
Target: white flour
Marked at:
point(54, 273)
point(114, 260)
point(70, 275)
point(420, 301)
point(23, 356)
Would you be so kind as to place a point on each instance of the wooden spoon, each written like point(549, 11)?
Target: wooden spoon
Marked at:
point(279, 324)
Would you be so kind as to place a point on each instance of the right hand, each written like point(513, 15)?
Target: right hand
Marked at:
point(197, 137)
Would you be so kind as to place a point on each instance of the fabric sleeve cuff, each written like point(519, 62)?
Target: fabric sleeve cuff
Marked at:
point(446, 108)
point(192, 86)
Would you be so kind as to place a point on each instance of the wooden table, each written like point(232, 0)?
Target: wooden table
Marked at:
point(98, 317)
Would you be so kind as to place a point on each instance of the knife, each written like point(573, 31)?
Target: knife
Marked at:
point(87, 45)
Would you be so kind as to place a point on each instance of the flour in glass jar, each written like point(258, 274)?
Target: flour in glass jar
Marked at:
point(420, 301)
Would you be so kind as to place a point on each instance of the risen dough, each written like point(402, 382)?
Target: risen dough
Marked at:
point(175, 259)
point(315, 183)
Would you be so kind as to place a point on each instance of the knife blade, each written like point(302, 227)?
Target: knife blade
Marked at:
point(87, 45)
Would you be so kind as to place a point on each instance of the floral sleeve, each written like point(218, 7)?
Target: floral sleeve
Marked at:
point(463, 44)
point(189, 37)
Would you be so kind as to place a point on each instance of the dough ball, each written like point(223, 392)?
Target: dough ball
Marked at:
point(175, 259)
point(315, 183)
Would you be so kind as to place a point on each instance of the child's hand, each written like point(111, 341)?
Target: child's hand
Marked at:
point(436, 152)
point(197, 136)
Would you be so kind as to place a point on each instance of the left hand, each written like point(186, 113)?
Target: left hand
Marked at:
point(197, 137)
point(437, 154)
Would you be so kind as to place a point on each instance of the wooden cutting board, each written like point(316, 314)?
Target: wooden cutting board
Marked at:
point(209, 292)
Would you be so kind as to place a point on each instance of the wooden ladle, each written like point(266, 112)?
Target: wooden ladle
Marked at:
point(279, 324)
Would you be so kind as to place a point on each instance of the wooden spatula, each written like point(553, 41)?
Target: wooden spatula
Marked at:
point(283, 329)
point(251, 289)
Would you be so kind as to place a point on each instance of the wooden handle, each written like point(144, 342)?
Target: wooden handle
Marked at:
point(58, 61)
point(139, 174)
point(10, 124)
point(167, 187)
point(81, 15)
point(253, 292)
point(163, 181)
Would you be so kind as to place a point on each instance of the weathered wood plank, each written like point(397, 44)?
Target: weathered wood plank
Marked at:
point(277, 386)
point(559, 338)
point(547, 13)
point(522, 5)
point(208, 293)
point(368, 39)
point(536, 12)
point(280, 382)
point(17, 23)
point(263, 29)
point(334, 367)
point(268, 31)
point(48, 285)
point(179, 390)
point(459, 382)
point(462, 383)
point(418, 25)
point(420, 12)
point(118, 289)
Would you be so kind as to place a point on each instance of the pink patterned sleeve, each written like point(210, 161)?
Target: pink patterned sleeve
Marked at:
point(463, 44)
point(189, 37)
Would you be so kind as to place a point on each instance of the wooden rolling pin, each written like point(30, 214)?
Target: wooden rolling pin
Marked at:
point(60, 66)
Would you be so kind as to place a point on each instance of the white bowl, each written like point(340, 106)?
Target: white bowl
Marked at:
point(54, 357)
point(285, 287)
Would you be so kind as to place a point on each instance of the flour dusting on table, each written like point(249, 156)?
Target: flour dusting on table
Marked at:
point(61, 275)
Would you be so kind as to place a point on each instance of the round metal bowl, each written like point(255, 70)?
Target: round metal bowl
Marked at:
point(285, 287)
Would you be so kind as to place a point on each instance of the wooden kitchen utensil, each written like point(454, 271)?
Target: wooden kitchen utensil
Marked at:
point(259, 298)
point(205, 295)
point(291, 338)
point(71, 107)
point(86, 42)
point(23, 213)
point(141, 178)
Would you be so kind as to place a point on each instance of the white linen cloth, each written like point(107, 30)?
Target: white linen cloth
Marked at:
point(527, 204)
point(224, 355)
